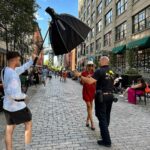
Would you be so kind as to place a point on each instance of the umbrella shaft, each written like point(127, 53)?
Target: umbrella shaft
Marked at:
point(41, 47)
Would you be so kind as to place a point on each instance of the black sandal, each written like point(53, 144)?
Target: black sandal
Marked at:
point(87, 125)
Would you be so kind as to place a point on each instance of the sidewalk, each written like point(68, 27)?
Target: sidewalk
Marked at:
point(59, 115)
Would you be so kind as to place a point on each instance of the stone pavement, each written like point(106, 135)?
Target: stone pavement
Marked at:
point(59, 115)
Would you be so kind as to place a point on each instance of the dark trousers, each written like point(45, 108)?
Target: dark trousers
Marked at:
point(103, 110)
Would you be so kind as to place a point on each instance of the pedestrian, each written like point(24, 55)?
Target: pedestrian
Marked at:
point(64, 75)
point(61, 75)
point(44, 75)
point(49, 74)
point(103, 77)
point(36, 76)
point(88, 93)
point(55, 74)
point(15, 109)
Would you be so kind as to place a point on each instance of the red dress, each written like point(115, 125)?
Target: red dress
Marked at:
point(88, 91)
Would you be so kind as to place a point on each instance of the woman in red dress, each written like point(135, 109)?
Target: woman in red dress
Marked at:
point(89, 93)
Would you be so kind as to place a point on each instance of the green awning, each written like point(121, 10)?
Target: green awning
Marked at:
point(144, 43)
point(119, 49)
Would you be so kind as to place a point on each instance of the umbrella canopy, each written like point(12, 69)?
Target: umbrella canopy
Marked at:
point(66, 32)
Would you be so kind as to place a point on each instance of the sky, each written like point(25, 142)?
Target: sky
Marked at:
point(60, 6)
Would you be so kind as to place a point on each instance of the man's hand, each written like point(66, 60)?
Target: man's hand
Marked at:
point(34, 56)
point(77, 74)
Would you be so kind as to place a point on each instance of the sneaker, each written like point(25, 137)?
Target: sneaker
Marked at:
point(121, 95)
point(101, 143)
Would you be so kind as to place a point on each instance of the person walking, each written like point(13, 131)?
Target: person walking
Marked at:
point(44, 75)
point(88, 93)
point(64, 75)
point(15, 109)
point(103, 77)
point(36, 76)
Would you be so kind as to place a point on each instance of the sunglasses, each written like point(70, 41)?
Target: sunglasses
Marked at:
point(90, 65)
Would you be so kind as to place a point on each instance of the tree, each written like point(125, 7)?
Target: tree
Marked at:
point(17, 18)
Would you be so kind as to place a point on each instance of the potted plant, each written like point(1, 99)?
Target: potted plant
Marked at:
point(131, 74)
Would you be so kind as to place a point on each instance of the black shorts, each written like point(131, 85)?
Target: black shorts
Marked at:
point(18, 117)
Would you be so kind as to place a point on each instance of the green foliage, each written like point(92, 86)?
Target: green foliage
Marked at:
point(113, 59)
point(130, 57)
point(132, 71)
point(17, 18)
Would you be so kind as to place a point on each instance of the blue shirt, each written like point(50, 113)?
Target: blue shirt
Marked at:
point(12, 87)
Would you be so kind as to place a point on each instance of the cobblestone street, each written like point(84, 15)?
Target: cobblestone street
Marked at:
point(59, 115)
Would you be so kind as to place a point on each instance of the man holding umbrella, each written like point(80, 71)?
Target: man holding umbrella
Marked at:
point(103, 77)
point(15, 109)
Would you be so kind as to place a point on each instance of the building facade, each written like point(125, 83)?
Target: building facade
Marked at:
point(60, 60)
point(117, 26)
point(37, 42)
point(70, 60)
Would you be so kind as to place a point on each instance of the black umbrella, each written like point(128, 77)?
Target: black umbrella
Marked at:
point(66, 32)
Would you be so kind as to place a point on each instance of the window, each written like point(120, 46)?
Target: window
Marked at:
point(142, 60)
point(93, 17)
point(88, 22)
point(98, 26)
point(107, 39)
point(121, 63)
point(99, 9)
point(88, 10)
point(86, 51)
point(88, 37)
point(83, 48)
point(93, 3)
point(134, 1)
point(107, 2)
point(121, 6)
point(98, 45)
point(84, 16)
point(108, 17)
point(92, 47)
point(141, 21)
point(92, 34)
point(121, 31)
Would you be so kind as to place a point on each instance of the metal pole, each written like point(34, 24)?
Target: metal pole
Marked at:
point(41, 47)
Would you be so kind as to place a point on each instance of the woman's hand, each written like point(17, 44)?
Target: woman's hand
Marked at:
point(76, 73)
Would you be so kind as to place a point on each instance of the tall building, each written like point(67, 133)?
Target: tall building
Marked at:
point(37, 42)
point(70, 60)
point(51, 56)
point(60, 60)
point(117, 26)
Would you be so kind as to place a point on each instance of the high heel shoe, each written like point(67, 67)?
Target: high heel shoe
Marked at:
point(87, 125)
point(93, 128)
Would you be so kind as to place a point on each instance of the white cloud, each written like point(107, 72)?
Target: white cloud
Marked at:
point(38, 17)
